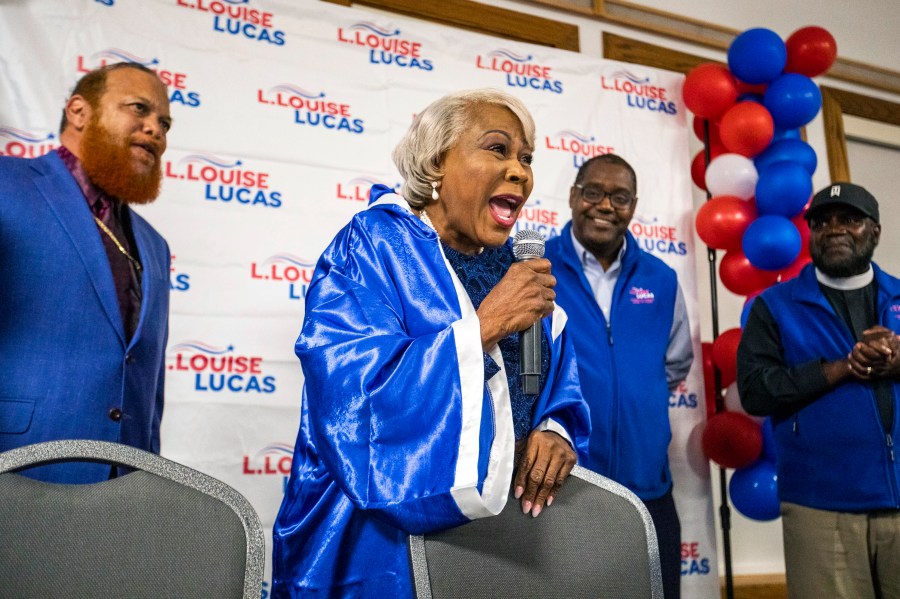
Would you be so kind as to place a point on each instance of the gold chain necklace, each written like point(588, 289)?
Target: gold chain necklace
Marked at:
point(106, 230)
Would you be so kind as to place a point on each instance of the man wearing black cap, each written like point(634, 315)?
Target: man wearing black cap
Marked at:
point(820, 355)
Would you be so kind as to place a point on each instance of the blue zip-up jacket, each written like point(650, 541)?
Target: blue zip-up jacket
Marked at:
point(834, 453)
point(622, 363)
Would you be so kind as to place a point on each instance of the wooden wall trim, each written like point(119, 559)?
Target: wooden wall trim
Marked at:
point(757, 586)
point(866, 75)
point(835, 104)
point(474, 16)
point(835, 139)
point(865, 107)
point(617, 47)
point(668, 24)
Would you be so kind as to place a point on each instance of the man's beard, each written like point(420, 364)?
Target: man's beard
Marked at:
point(109, 164)
point(856, 263)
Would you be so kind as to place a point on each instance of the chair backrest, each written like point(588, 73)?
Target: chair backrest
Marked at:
point(163, 530)
point(596, 540)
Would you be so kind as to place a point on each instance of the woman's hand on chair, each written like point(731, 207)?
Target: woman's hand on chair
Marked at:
point(543, 467)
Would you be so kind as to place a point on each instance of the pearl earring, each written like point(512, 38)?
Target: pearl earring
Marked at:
point(434, 191)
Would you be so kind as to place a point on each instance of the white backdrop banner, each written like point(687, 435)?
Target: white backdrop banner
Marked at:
point(286, 113)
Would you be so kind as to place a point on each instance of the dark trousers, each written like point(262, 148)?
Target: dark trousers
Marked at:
point(668, 535)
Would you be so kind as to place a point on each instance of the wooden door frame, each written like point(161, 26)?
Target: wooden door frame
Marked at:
point(835, 104)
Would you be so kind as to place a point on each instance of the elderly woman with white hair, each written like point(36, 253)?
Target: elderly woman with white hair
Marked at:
point(412, 418)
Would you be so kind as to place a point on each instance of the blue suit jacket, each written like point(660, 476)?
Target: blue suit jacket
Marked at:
point(64, 361)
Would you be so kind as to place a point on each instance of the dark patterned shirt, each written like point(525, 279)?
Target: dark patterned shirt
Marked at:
point(479, 274)
point(115, 216)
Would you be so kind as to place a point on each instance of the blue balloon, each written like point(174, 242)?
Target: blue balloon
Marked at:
point(793, 99)
point(785, 133)
point(757, 55)
point(771, 242)
point(754, 491)
point(783, 188)
point(794, 150)
point(768, 435)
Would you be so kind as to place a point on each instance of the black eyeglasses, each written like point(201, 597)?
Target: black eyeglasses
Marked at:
point(594, 194)
point(847, 219)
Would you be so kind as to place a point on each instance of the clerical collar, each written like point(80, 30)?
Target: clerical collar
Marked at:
point(846, 283)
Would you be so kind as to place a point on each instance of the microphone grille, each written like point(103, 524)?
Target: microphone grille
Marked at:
point(528, 244)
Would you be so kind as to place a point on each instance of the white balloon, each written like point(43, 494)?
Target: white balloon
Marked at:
point(733, 403)
point(731, 175)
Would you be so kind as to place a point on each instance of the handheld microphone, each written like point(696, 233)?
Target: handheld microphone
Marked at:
point(528, 245)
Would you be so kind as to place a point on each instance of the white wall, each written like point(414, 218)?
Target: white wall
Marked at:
point(865, 30)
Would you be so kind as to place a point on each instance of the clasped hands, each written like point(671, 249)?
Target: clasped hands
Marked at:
point(876, 355)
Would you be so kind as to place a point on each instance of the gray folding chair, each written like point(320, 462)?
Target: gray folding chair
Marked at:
point(596, 540)
point(163, 530)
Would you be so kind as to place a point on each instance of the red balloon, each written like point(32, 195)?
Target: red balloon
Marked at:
point(742, 278)
point(786, 274)
point(698, 170)
point(709, 90)
point(725, 354)
point(714, 140)
point(732, 440)
point(709, 379)
point(747, 128)
point(810, 51)
point(721, 221)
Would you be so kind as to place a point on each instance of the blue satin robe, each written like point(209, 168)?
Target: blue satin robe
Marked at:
point(399, 431)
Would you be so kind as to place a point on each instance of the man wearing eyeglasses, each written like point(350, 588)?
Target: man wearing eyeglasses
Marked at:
point(820, 355)
point(632, 341)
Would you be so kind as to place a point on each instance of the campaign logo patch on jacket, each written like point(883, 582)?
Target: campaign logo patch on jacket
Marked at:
point(639, 295)
point(895, 311)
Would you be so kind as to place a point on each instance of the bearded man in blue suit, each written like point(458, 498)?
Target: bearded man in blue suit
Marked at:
point(84, 285)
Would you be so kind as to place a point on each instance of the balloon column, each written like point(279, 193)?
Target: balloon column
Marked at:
point(759, 181)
